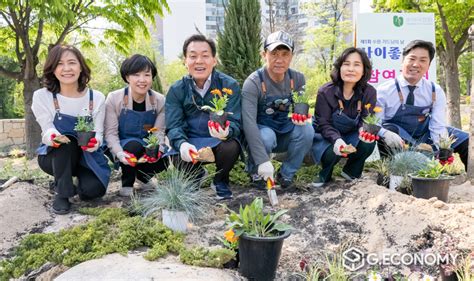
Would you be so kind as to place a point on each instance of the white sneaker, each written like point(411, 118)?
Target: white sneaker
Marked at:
point(318, 184)
point(150, 185)
point(126, 191)
point(346, 176)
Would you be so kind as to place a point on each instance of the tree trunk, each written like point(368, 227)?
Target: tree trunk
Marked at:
point(453, 89)
point(470, 160)
point(32, 129)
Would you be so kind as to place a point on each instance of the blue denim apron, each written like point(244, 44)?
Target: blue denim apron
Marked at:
point(347, 127)
point(134, 125)
point(413, 121)
point(198, 131)
point(95, 161)
point(273, 113)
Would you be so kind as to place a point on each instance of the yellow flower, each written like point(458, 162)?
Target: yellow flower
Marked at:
point(227, 91)
point(152, 130)
point(367, 106)
point(377, 109)
point(230, 236)
point(216, 92)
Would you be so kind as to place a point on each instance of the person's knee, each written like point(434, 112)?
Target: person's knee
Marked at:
point(269, 139)
point(92, 190)
point(303, 133)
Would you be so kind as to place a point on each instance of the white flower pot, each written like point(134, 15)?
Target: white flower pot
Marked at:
point(176, 220)
point(395, 181)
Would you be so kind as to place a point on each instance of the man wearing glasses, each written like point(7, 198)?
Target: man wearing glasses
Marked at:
point(187, 122)
point(266, 101)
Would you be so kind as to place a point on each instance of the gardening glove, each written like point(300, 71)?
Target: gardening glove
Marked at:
point(92, 145)
point(127, 158)
point(338, 145)
point(188, 152)
point(366, 136)
point(216, 131)
point(265, 170)
point(147, 159)
point(48, 137)
point(300, 119)
point(393, 140)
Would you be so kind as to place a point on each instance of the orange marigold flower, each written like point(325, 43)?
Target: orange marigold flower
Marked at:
point(216, 92)
point(152, 130)
point(230, 236)
point(367, 106)
point(377, 109)
point(227, 91)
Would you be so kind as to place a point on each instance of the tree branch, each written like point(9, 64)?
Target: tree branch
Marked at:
point(447, 34)
point(9, 74)
point(39, 36)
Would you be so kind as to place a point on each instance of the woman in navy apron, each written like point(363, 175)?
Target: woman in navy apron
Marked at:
point(340, 108)
point(56, 108)
point(131, 113)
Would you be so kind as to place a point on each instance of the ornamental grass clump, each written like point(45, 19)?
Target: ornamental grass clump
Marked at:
point(177, 190)
point(406, 162)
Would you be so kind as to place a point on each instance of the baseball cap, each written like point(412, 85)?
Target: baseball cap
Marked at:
point(278, 38)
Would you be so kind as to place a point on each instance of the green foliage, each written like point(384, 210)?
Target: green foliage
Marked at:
point(8, 99)
point(406, 162)
point(446, 141)
point(432, 170)
point(200, 256)
point(301, 96)
point(177, 190)
point(111, 231)
point(240, 43)
point(252, 221)
point(172, 72)
point(84, 124)
point(219, 101)
point(22, 171)
point(152, 139)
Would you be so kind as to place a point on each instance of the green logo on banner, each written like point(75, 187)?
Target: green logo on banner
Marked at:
point(397, 21)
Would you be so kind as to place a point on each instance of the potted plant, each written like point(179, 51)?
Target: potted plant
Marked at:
point(178, 197)
point(85, 129)
point(301, 105)
point(445, 150)
point(219, 103)
point(403, 163)
point(371, 121)
point(152, 146)
point(231, 242)
point(261, 238)
point(431, 181)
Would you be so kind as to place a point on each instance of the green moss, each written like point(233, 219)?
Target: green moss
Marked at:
point(111, 231)
point(200, 256)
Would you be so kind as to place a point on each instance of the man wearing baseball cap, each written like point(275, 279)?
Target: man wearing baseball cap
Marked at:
point(266, 100)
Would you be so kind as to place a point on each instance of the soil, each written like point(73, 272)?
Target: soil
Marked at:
point(359, 214)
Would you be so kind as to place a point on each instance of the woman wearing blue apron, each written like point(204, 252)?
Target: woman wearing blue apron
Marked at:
point(56, 108)
point(340, 108)
point(131, 113)
point(187, 122)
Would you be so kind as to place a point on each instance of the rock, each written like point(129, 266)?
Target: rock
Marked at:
point(433, 199)
point(439, 204)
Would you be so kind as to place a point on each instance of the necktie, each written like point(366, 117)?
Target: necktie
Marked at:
point(411, 96)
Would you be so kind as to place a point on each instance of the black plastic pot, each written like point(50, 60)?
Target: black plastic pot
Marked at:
point(221, 119)
point(152, 152)
point(233, 263)
point(382, 180)
point(427, 188)
point(371, 128)
point(445, 153)
point(84, 137)
point(301, 108)
point(259, 256)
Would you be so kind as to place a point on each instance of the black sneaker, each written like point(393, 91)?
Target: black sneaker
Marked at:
point(61, 205)
point(222, 190)
point(284, 183)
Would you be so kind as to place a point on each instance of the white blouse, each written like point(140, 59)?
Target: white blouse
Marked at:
point(44, 111)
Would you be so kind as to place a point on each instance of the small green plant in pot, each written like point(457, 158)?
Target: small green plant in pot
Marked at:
point(85, 129)
point(431, 181)
point(301, 103)
point(445, 149)
point(371, 121)
point(260, 235)
point(219, 103)
point(178, 197)
point(152, 142)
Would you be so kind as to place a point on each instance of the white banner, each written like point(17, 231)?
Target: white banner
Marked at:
point(384, 35)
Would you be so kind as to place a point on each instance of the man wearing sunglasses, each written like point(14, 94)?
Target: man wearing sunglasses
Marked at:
point(266, 101)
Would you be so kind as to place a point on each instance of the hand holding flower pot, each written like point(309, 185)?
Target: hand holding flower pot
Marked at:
point(371, 122)
point(219, 103)
point(84, 129)
point(216, 131)
point(300, 115)
point(445, 149)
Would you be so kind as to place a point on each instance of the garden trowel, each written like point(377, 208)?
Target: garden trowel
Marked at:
point(271, 192)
